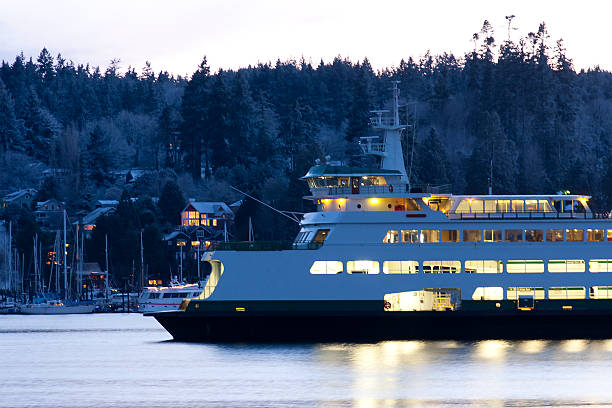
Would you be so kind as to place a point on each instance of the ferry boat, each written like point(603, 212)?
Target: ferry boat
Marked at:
point(383, 259)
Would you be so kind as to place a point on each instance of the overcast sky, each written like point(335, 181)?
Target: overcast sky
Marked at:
point(174, 35)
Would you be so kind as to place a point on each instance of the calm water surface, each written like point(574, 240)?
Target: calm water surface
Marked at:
point(114, 360)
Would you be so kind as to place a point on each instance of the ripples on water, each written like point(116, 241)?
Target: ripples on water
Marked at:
point(127, 361)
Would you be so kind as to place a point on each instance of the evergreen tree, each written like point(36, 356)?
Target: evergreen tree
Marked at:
point(218, 129)
point(98, 156)
point(171, 203)
point(432, 160)
point(240, 120)
point(10, 137)
point(361, 103)
point(195, 119)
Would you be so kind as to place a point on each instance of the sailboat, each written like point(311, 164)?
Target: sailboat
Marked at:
point(48, 304)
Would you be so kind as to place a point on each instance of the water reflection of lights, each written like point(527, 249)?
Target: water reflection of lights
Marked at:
point(574, 346)
point(606, 345)
point(492, 349)
point(532, 346)
point(450, 344)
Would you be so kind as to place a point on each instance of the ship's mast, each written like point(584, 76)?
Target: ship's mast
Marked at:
point(390, 150)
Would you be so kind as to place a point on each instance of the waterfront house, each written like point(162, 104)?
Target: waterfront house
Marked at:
point(50, 213)
point(21, 198)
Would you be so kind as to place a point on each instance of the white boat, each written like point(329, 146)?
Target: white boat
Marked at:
point(383, 259)
point(56, 307)
point(159, 298)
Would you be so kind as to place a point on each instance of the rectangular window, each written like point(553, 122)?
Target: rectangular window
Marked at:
point(490, 206)
point(517, 205)
point(463, 207)
point(483, 266)
point(476, 206)
point(326, 267)
point(534, 236)
point(412, 205)
point(609, 236)
point(513, 235)
point(573, 292)
point(555, 235)
point(441, 266)
point(601, 292)
point(492, 235)
point(471, 235)
point(575, 235)
point(450, 235)
point(321, 236)
point(364, 267)
point(411, 236)
point(391, 237)
point(515, 293)
point(504, 206)
point(566, 265)
point(544, 206)
point(430, 236)
point(488, 293)
point(595, 235)
point(400, 267)
point(524, 266)
point(531, 205)
point(600, 265)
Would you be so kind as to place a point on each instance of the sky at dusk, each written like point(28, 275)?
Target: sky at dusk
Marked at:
point(174, 35)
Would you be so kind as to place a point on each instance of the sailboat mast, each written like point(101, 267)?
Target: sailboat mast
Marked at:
point(141, 264)
point(65, 267)
point(106, 256)
point(10, 255)
point(78, 260)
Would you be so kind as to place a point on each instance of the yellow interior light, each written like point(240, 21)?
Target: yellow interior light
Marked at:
point(583, 200)
point(341, 200)
point(325, 201)
point(374, 200)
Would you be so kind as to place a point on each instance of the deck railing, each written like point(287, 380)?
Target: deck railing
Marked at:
point(527, 215)
point(263, 246)
point(384, 189)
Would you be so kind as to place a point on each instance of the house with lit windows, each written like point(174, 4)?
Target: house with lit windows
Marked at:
point(214, 216)
point(88, 221)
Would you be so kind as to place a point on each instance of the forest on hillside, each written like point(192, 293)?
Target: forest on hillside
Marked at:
point(516, 108)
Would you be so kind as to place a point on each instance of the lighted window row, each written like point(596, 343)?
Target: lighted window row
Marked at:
point(538, 293)
point(494, 235)
point(471, 266)
point(475, 206)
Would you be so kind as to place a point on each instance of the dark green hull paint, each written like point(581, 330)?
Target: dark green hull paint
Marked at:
point(359, 321)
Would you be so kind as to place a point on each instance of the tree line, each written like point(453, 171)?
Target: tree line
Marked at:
point(513, 109)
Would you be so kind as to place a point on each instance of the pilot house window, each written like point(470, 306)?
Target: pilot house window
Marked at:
point(321, 236)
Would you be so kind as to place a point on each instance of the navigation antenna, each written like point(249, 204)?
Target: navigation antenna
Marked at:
point(413, 140)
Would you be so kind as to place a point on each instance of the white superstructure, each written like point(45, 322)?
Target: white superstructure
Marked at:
point(159, 298)
point(421, 248)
